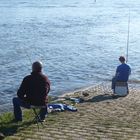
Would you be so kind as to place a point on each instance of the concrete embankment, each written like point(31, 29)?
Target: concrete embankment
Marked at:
point(99, 117)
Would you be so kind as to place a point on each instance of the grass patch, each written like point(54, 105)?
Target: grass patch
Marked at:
point(8, 126)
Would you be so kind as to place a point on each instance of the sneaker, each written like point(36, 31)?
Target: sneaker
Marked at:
point(1, 136)
point(41, 120)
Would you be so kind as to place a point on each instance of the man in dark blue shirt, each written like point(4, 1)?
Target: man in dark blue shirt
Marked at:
point(122, 72)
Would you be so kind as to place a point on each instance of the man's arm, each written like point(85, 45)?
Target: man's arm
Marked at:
point(47, 85)
point(47, 89)
point(117, 72)
point(129, 70)
point(22, 90)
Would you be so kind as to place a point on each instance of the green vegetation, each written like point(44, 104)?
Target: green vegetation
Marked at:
point(8, 125)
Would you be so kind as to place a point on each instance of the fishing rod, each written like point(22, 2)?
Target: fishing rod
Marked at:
point(128, 34)
point(26, 53)
point(29, 58)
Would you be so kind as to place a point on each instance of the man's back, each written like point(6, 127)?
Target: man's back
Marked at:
point(35, 87)
point(122, 73)
point(33, 90)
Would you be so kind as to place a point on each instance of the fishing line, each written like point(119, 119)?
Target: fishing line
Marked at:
point(39, 58)
point(27, 55)
point(128, 34)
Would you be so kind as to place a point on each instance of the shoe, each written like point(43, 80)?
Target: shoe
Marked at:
point(1, 136)
point(41, 120)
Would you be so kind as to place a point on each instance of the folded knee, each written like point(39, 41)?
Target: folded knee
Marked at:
point(15, 101)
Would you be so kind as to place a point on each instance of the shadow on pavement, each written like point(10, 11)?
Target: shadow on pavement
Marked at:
point(100, 98)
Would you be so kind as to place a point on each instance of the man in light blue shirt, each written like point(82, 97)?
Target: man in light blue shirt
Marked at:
point(122, 72)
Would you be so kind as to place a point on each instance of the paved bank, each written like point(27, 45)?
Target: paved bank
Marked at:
point(99, 117)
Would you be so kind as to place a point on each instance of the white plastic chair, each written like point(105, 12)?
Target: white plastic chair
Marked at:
point(121, 88)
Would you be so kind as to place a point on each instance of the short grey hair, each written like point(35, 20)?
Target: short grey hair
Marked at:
point(37, 66)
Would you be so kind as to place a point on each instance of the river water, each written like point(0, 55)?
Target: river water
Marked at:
point(79, 42)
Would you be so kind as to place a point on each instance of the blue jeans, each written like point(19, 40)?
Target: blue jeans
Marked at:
point(18, 103)
point(113, 83)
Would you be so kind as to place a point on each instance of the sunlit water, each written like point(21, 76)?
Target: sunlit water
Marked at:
point(79, 42)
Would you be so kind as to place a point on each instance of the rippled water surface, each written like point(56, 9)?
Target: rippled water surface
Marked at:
point(79, 42)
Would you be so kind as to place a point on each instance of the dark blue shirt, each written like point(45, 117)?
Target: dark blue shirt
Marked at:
point(122, 73)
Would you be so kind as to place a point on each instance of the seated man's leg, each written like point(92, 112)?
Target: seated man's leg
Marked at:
point(18, 103)
point(113, 83)
point(127, 88)
point(43, 112)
